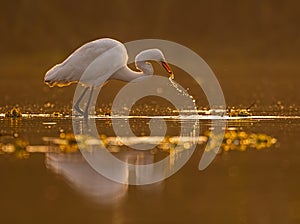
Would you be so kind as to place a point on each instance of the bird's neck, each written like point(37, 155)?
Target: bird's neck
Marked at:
point(128, 75)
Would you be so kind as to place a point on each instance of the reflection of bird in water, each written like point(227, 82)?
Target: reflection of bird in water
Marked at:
point(84, 178)
point(98, 61)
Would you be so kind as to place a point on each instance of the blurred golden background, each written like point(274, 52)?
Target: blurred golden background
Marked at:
point(252, 46)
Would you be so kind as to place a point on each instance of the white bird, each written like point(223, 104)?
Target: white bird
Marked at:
point(101, 60)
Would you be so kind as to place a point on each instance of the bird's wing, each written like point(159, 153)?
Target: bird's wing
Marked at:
point(89, 57)
point(105, 65)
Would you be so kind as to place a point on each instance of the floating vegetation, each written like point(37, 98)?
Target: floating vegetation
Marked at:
point(107, 113)
point(57, 114)
point(17, 147)
point(13, 113)
point(67, 143)
point(166, 144)
point(241, 141)
point(232, 112)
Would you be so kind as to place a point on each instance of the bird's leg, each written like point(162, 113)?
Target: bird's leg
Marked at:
point(76, 106)
point(86, 112)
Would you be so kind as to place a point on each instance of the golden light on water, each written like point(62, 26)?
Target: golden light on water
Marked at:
point(66, 143)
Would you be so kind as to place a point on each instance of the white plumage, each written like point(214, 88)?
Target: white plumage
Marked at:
point(98, 61)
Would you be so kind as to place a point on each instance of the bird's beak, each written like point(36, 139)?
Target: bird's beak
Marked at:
point(168, 68)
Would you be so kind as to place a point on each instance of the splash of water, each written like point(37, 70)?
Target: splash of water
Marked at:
point(180, 91)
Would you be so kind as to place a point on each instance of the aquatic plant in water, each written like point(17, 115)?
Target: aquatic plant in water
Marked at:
point(17, 147)
point(240, 141)
point(67, 143)
point(14, 113)
point(232, 112)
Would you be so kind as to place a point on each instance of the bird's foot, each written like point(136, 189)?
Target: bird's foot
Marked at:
point(79, 112)
point(86, 114)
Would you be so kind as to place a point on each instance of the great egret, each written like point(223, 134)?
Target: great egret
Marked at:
point(101, 60)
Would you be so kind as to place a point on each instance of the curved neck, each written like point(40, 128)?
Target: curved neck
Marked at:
point(144, 66)
point(127, 75)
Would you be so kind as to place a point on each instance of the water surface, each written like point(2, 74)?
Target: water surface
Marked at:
point(252, 185)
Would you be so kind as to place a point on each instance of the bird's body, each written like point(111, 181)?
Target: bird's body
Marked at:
point(101, 60)
point(72, 69)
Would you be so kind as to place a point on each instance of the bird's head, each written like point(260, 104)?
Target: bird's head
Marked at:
point(143, 58)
